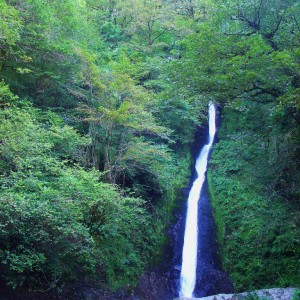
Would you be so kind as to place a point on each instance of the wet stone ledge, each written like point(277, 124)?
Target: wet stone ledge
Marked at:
point(267, 294)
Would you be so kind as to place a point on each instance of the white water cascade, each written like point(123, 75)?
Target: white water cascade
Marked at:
point(189, 254)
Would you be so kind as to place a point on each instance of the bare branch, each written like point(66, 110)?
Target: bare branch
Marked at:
point(250, 23)
point(271, 34)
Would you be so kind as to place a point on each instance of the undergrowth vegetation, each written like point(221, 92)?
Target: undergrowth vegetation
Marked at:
point(60, 221)
point(257, 218)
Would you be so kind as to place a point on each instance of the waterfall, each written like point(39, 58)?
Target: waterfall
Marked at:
point(189, 253)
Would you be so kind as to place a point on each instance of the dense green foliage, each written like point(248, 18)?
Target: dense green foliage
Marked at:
point(257, 221)
point(246, 56)
point(86, 156)
point(99, 102)
point(58, 221)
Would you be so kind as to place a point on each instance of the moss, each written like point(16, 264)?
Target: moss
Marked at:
point(257, 230)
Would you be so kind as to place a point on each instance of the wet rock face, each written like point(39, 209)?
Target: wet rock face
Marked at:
point(153, 286)
point(267, 294)
point(176, 234)
point(212, 281)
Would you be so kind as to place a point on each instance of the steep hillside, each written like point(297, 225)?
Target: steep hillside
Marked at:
point(253, 181)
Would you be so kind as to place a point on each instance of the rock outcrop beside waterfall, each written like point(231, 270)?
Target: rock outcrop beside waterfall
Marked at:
point(266, 294)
